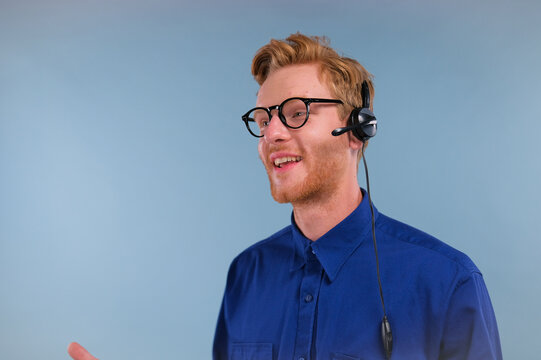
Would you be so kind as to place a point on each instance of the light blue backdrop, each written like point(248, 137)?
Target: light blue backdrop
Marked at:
point(128, 182)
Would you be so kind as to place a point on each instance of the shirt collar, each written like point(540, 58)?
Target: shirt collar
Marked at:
point(336, 246)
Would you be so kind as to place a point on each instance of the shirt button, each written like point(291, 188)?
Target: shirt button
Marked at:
point(301, 358)
point(308, 298)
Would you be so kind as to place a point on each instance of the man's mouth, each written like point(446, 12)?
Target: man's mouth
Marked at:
point(285, 160)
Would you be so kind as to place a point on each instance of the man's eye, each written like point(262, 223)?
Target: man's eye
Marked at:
point(299, 114)
point(261, 121)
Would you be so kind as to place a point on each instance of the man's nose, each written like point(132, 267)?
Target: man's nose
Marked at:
point(276, 131)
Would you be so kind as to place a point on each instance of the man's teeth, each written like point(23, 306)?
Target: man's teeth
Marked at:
point(279, 161)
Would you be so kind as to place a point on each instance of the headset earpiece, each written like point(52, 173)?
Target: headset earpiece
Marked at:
point(362, 120)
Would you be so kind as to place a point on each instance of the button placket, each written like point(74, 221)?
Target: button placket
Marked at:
point(307, 305)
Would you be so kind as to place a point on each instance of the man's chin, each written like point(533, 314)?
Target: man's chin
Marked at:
point(279, 195)
point(280, 199)
point(292, 190)
point(284, 194)
point(292, 194)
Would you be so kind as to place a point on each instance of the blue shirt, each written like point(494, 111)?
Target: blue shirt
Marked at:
point(290, 298)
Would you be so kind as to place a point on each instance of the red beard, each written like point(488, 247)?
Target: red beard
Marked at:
point(324, 168)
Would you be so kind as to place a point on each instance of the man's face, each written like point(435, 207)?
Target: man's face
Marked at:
point(317, 160)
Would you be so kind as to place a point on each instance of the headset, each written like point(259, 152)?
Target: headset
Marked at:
point(363, 124)
point(362, 121)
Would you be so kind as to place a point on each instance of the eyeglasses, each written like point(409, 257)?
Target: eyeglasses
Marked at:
point(292, 112)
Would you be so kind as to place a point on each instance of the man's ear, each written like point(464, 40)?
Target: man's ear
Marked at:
point(354, 142)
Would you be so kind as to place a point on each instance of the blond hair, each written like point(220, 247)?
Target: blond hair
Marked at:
point(344, 76)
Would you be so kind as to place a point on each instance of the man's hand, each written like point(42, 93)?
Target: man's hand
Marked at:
point(77, 352)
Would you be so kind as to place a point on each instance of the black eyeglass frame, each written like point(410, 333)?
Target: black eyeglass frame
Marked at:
point(306, 101)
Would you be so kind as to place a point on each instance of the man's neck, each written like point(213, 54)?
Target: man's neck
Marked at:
point(317, 217)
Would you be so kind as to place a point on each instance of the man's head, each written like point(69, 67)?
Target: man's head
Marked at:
point(308, 164)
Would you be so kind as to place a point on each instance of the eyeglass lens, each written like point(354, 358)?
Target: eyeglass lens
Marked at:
point(294, 112)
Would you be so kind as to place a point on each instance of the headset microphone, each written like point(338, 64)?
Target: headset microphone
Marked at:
point(368, 127)
point(340, 131)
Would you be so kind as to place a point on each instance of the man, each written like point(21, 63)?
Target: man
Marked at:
point(312, 290)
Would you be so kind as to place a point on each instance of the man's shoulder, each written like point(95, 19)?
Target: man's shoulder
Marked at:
point(275, 245)
point(414, 241)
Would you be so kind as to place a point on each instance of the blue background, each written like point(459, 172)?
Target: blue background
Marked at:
point(128, 182)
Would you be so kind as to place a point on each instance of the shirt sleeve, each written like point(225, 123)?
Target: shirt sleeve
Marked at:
point(470, 330)
point(220, 349)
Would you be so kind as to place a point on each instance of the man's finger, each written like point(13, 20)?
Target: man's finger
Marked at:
point(77, 352)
